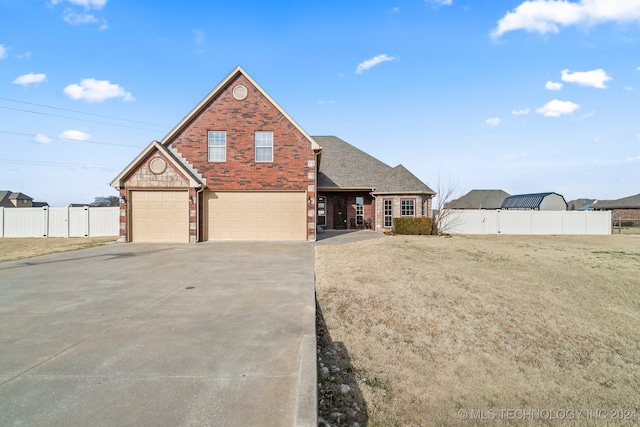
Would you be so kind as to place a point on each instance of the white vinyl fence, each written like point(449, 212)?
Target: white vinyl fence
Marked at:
point(60, 222)
point(527, 222)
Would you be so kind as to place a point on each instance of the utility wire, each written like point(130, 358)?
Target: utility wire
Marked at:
point(76, 118)
point(72, 140)
point(61, 164)
point(83, 112)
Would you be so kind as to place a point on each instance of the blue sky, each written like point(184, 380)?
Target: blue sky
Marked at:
point(524, 96)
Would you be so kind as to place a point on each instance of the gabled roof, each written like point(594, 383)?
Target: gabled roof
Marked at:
point(345, 167)
point(480, 199)
point(631, 202)
point(6, 196)
point(401, 181)
point(215, 93)
point(179, 163)
point(525, 201)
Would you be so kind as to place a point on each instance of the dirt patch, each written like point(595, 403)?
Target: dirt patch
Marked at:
point(18, 248)
point(466, 329)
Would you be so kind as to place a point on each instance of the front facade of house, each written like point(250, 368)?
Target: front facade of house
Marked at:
point(238, 167)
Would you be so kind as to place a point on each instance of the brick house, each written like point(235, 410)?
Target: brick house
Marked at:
point(625, 209)
point(238, 167)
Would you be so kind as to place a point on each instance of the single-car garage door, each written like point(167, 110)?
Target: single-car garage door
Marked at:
point(256, 215)
point(159, 216)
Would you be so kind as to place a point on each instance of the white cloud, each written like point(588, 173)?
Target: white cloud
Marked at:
point(27, 79)
point(595, 78)
point(494, 121)
point(26, 55)
point(557, 108)
point(546, 16)
point(441, 2)
point(395, 9)
point(78, 19)
point(74, 135)
point(633, 159)
point(370, 63)
point(93, 90)
point(42, 139)
point(521, 112)
point(553, 85)
point(3, 51)
point(87, 4)
point(321, 102)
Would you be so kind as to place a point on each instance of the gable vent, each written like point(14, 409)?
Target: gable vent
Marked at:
point(240, 92)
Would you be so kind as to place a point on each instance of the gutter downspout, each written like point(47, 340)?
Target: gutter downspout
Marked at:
point(199, 235)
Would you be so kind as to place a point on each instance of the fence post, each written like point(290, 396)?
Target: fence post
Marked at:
point(1, 221)
point(46, 221)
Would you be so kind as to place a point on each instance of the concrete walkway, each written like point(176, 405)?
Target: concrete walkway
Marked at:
point(212, 334)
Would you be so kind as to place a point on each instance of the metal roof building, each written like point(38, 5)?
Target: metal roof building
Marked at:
point(537, 201)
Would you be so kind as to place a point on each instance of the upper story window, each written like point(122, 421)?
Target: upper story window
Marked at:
point(407, 207)
point(217, 146)
point(264, 146)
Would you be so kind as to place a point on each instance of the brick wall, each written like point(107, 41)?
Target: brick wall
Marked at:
point(293, 166)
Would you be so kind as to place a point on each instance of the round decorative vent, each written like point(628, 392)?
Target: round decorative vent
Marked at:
point(157, 165)
point(240, 92)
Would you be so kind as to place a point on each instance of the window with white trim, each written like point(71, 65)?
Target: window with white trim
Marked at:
point(388, 213)
point(264, 146)
point(407, 207)
point(217, 146)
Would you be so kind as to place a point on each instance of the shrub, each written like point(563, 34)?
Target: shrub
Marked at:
point(412, 225)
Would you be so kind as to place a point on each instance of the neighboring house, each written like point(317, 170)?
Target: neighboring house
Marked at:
point(627, 208)
point(238, 167)
point(10, 199)
point(537, 202)
point(581, 204)
point(480, 199)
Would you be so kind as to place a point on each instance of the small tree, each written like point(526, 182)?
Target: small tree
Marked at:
point(442, 221)
point(106, 201)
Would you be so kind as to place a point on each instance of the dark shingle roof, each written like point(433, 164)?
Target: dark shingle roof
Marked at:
point(343, 166)
point(401, 181)
point(480, 199)
point(524, 201)
point(580, 204)
point(6, 196)
point(631, 202)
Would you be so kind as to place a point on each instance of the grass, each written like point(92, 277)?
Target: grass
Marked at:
point(19, 248)
point(433, 326)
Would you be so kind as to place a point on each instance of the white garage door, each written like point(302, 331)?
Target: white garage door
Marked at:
point(259, 215)
point(159, 216)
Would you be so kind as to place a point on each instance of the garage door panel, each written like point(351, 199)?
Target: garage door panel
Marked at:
point(256, 215)
point(160, 216)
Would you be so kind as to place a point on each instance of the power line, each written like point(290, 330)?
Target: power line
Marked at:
point(60, 164)
point(76, 118)
point(83, 112)
point(67, 139)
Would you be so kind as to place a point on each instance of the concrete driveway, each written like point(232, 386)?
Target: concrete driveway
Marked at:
point(211, 334)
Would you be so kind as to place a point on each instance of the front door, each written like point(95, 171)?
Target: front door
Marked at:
point(340, 212)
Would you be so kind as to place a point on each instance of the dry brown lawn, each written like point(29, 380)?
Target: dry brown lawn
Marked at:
point(487, 330)
point(18, 248)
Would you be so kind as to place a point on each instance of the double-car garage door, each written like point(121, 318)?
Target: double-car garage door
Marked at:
point(163, 216)
point(257, 215)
